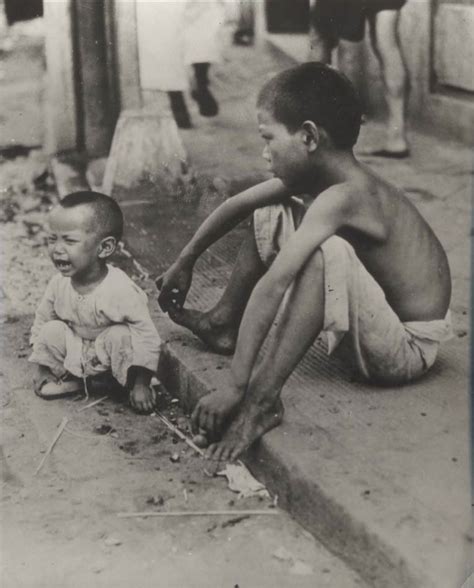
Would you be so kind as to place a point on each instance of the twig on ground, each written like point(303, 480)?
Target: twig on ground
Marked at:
point(197, 513)
point(180, 434)
point(91, 404)
point(58, 433)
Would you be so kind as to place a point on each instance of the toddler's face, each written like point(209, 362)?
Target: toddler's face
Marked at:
point(73, 240)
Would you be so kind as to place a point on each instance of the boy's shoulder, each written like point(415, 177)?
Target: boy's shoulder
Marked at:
point(341, 197)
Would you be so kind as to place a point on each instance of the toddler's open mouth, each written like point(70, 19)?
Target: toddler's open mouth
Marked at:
point(62, 265)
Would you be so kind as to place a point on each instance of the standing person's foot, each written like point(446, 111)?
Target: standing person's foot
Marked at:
point(180, 110)
point(207, 103)
point(243, 37)
point(396, 147)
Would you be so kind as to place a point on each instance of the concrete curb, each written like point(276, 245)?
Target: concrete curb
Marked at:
point(191, 372)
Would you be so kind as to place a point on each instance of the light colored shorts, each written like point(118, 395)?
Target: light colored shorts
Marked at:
point(356, 312)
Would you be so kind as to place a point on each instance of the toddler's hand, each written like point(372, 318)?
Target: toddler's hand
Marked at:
point(142, 398)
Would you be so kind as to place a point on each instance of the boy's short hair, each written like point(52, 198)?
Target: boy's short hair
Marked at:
point(108, 216)
point(317, 92)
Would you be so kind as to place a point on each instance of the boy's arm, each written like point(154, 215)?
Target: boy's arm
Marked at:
point(176, 281)
point(325, 216)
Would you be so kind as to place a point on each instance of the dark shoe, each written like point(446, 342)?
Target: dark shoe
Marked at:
point(242, 37)
point(207, 103)
point(180, 110)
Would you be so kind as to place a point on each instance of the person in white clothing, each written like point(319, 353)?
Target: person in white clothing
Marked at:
point(173, 36)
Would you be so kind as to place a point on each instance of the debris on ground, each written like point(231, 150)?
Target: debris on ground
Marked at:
point(104, 429)
point(298, 567)
point(196, 513)
point(155, 500)
point(112, 541)
point(58, 434)
point(240, 480)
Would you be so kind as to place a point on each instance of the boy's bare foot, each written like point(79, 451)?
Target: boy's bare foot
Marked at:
point(213, 409)
point(249, 425)
point(142, 398)
point(219, 338)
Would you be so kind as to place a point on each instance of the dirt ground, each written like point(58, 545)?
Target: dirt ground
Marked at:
point(60, 528)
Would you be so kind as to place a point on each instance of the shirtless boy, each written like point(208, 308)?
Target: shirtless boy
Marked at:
point(353, 259)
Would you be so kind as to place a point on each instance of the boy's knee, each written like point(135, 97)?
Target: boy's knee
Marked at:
point(337, 249)
point(317, 261)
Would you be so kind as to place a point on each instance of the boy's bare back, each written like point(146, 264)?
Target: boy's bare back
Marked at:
point(398, 247)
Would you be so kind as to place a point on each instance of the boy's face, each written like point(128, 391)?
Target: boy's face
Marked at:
point(284, 152)
point(74, 242)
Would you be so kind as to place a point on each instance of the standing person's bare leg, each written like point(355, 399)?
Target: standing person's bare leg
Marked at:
point(384, 30)
point(320, 43)
point(261, 408)
point(349, 61)
point(219, 326)
point(319, 47)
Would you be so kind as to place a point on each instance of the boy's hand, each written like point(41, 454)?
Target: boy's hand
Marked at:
point(174, 285)
point(142, 398)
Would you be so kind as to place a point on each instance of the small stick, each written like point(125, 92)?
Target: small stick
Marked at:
point(180, 434)
point(197, 513)
point(61, 427)
point(91, 404)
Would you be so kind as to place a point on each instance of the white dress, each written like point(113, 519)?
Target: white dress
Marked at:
point(174, 34)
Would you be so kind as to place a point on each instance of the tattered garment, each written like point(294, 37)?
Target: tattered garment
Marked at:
point(108, 329)
point(356, 312)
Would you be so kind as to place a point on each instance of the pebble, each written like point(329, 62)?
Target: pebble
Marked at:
point(200, 440)
point(112, 541)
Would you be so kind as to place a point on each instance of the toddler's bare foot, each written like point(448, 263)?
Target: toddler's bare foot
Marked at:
point(142, 398)
point(221, 338)
point(249, 425)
